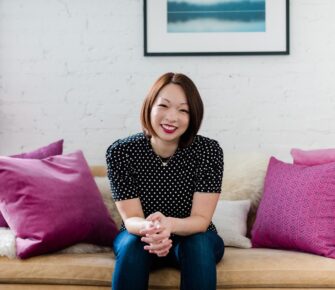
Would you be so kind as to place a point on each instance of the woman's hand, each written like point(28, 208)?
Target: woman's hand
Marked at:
point(157, 235)
point(161, 219)
point(149, 228)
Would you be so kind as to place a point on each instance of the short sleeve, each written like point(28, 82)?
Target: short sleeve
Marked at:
point(210, 167)
point(120, 174)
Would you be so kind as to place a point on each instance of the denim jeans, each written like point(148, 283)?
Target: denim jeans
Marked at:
point(195, 256)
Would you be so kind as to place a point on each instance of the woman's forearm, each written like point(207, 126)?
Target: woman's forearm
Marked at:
point(188, 226)
point(179, 226)
point(135, 224)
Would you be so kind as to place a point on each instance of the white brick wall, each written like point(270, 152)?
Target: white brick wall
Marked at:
point(75, 69)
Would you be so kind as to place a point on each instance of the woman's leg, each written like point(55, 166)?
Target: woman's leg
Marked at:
point(197, 256)
point(132, 264)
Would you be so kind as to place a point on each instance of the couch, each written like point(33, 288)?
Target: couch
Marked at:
point(240, 268)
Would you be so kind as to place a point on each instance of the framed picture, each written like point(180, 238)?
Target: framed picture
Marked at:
point(216, 27)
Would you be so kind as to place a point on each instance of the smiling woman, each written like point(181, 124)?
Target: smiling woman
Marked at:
point(169, 115)
point(172, 93)
point(166, 183)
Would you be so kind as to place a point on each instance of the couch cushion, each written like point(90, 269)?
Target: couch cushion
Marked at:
point(255, 268)
point(275, 269)
point(77, 269)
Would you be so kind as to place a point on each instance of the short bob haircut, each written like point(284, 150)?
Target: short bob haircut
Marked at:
point(195, 104)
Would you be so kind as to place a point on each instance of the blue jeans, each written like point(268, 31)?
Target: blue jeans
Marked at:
point(195, 255)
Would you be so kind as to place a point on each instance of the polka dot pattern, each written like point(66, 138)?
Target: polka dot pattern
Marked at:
point(136, 171)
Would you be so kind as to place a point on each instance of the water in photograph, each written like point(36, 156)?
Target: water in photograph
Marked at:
point(216, 16)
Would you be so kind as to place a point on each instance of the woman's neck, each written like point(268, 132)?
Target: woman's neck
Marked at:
point(163, 148)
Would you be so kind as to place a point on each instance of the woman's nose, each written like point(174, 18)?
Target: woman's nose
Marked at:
point(171, 116)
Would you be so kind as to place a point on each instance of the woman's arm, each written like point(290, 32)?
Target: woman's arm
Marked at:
point(203, 208)
point(133, 218)
point(132, 215)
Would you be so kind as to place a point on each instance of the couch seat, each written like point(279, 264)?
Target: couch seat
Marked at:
point(240, 268)
point(269, 268)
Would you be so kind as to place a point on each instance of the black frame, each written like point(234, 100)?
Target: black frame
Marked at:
point(285, 52)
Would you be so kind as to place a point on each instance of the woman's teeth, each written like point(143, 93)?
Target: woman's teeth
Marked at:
point(167, 127)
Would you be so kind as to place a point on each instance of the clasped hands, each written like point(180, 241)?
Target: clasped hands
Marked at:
point(156, 233)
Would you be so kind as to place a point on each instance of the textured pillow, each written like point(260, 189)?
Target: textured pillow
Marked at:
point(54, 148)
point(104, 188)
point(244, 179)
point(230, 219)
point(313, 157)
point(7, 243)
point(297, 210)
point(53, 205)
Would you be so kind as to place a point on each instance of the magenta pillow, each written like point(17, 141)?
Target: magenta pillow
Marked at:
point(3, 223)
point(53, 203)
point(297, 210)
point(54, 148)
point(313, 157)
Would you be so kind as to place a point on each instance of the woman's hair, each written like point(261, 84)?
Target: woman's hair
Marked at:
point(196, 108)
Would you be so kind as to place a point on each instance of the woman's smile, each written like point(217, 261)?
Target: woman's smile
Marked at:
point(168, 128)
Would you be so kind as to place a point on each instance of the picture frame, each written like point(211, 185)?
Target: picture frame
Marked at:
point(216, 27)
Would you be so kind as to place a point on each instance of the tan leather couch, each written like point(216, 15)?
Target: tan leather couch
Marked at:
point(240, 268)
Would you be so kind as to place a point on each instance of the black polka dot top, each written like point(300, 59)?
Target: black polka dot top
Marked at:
point(136, 171)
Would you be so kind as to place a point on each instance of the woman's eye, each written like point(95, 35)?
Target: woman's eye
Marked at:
point(184, 111)
point(162, 105)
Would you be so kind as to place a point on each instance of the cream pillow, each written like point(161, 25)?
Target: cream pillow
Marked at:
point(104, 187)
point(7, 243)
point(243, 178)
point(244, 175)
point(230, 219)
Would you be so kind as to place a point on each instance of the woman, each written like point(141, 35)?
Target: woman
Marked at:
point(166, 184)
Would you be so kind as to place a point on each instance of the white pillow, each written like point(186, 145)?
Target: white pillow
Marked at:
point(230, 219)
point(7, 243)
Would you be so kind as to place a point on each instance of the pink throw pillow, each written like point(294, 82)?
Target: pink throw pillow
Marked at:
point(54, 148)
point(53, 203)
point(3, 223)
point(297, 210)
point(313, 157)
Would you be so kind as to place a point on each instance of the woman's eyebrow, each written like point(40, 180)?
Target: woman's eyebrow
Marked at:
point(170, 102)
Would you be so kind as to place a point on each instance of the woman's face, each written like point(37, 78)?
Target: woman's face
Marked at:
point(170, 113)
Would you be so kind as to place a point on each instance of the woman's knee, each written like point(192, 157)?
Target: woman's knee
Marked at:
point(131, 270)
point(203, 246)
point(126, 243)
